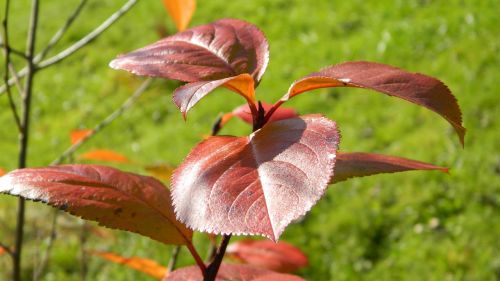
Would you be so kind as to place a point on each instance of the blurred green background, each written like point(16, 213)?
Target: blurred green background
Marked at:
point(409, 226)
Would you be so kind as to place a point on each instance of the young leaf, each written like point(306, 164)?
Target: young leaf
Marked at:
point(218, 50)
point(150, 267)
point(181, 11)
point(243, 112)
point(109, 196)
point(414, 87)
point(358, 164)
point(77, 135)
point(231, 272)
point(185, 97)
point(256, 184)
point(281, 256)
point(105, 156)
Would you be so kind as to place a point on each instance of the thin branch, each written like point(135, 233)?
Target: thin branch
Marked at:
point(60, 33)
point(78, 45)
point(173, 258)
point(23, 137)
point(7, 50)
point(104, 123)
point(213, 267)
point(16, 78)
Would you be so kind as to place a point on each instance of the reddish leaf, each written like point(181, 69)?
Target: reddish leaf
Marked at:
point(2, 172)
point(150, 267)
point(161, 171)
point(256, 184)
point(231, 272)
point(181, 11)
point(414, 87)
point(243, 112)
point(78, 135)
point(358, 164)
point(2, 250)
point(280, 256)
point(109, 196)
point(218, 50)
point(105, 156)
point(187, 96)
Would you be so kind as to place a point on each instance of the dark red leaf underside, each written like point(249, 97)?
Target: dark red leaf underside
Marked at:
point(281, 256)
point(218, 50)
point(414, 87)
point(358, 164)
point(109, 196)
point(256, 184)
point(231, 272)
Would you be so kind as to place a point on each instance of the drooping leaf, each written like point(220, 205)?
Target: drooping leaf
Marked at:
point(359, 164)
point(281, 256)
point(185, 97)
point(181, 11)
point(109, 196)
point(150, 267)
point(218, 50)
point(105, 155)
point(160, 171)
point(231, 272)
point(414, 87)
point(256, 184)
point(77, 135)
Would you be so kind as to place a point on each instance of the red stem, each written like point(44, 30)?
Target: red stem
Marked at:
point(197, 258)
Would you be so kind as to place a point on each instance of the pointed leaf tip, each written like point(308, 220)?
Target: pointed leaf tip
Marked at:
point(256, 184)
point(417, 88)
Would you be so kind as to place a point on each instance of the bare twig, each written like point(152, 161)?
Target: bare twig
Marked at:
point(7, 50)
point(173, 258)
point(16, 78)
point(104, 123)
point(78, 45)
point(23, 137)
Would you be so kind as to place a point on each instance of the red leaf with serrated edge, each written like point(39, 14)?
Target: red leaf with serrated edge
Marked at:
point(231, 272)
point(150, 267)
point(77, 135)
point(181, 11)
point(359, 164)
point(281, 256)
point(243, 112)
point(107, 195)
point(256, 184)
point(414, 87)
point(105, 155)
point(185, 97)
point(218, 50)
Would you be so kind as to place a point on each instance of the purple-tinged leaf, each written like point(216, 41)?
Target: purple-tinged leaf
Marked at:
point(414, 87)
point(256, 184)
point(218, 50)
point(359, 164)
point(107, 195)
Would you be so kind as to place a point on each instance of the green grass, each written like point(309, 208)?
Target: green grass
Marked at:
point(411, 226)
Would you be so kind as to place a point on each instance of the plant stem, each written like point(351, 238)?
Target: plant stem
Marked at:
point(197, 257)
point(23, 136)
point(173, 258)
point(78, 45)
point(213, 267)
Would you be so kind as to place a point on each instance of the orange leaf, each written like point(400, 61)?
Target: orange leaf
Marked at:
point(147, 266)
point(2, 250)
point(77, 135)
point(160, 171)
point(2, 172)
point(105, 156)
point(181, 11)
